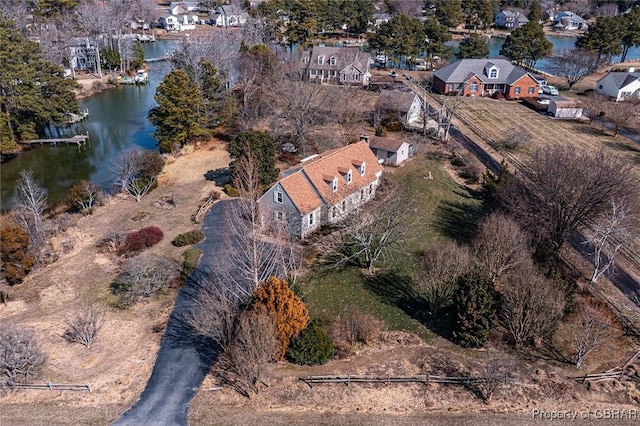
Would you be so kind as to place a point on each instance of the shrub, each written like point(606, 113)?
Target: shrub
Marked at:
point(139, 240)
point(353, 326)
point(85, 327)
point(20, 356)
point(142, 276)
point(230, 190)
point(475, 309)
point(312, 346)
point(15, 260)
point(275, 299)
point(188, 238)
point(191, 259)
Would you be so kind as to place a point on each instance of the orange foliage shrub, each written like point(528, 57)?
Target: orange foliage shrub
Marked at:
point(275, 299)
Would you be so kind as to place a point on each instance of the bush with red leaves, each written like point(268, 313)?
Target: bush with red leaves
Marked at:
point(139, 240)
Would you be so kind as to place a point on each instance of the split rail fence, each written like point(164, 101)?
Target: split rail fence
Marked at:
point(425, 379)
point(52, 386)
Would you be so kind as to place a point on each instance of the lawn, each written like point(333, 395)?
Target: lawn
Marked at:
point(443, 208)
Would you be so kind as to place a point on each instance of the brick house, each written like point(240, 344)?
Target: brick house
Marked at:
point(485, 77)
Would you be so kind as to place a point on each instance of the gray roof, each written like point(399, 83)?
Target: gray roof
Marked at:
point(622, 79)
point(569, 15)
point(461, 71)
point(386, 144)
point(345, 56)
point(515, 16)
point(395, 100)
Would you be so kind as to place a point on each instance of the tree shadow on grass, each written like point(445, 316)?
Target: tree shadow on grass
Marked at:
point(220, 177)
point(458, 221)
point(395, 288)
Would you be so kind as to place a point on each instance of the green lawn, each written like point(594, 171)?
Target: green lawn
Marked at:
point(444, 209)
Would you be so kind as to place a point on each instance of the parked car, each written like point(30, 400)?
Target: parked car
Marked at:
point(550, 90)
point(543, 101)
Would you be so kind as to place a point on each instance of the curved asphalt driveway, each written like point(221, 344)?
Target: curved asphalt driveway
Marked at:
point(184, 357)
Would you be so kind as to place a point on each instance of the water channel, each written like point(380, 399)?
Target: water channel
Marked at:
point(117, 121)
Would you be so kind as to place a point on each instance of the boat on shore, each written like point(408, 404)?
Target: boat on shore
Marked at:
point(141, 77)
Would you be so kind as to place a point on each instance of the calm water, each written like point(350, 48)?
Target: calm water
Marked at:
point(117, 121)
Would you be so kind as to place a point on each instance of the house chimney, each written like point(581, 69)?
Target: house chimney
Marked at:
point(365, 138)
point(631, 69)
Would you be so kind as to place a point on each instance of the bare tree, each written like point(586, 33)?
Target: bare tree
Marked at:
point(16, 10)
point(611, 230)
point(90, 18)
point(531, 304)
point(500, 245)
point(84, 328)
point(348, 111)
point(516, 137)
point(494, 373)
point(622, 114)
point(20, 355)
point(85, 195)
point(595, 104)
point(146, 11)
point(255, 345)
point(561, 188)
point(574, 65)
point(442, 263)
point(255, 255)
point(591, 326)
point(130, 175)
point(379, 231)
point(30, 202)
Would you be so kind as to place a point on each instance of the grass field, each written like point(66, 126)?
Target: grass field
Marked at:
point(493, 118)
point(443, 208)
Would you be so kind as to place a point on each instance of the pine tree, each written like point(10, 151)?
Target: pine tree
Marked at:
point(473, 47)
point(475, 309)
point(526, 45)
point(312, 346)
point(261, 146)
point(179, 115)
point(276, 299)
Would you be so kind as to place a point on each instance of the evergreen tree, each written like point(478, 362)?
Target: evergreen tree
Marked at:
point(137, 59)
point(475, 309)
point(473, 47)
point(535, 12)
point(401, 35)
point(357, 14)
point(630, 23)
point(304, 22)
point(603, 38)
point(312, 346)
point(526, 45)
point(448, 12)
point(262, 147)
point(275, 299)
point(436, 36)
point(33, 92)
point(180, 112)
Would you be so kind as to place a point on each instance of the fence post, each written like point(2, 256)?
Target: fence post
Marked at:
point(50, 386)
point(348, 379)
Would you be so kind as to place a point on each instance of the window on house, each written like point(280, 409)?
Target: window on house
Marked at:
point(334, 185)
point(279, 216)
point(532, 90)
point(349, 176)
point(313, 72)
point(452, 87)
point(493, 73)
point(344, 205)
point(370, 188)
point(305, 60)
point(312, 218)
point(320, 60)
point(332, 60)
point(363, 169)
point(517, 91)
point(334, 212)
point(277, 197)
point(600, 86)
point(362, 194)
point(473, 87)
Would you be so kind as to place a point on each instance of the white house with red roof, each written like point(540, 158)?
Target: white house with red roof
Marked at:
point(322, 189)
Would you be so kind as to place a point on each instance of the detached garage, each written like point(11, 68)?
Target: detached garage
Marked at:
point(564, 108)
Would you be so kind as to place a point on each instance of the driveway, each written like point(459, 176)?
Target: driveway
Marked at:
point(184, 357)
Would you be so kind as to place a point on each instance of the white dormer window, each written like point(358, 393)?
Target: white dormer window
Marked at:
point(321, 60)
point(363, 169)
point(493, 73)
point(305, 60)
point(334, 184)
point(332, 60)
point(277, 197)
point(349, 176)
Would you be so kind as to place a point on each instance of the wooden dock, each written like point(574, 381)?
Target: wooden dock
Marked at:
point(71, 118)
point(74, 140)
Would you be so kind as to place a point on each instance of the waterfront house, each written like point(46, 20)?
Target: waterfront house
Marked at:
point(343, 65)
point(228, 16)
point(509, 19)
point(485, 77)
point(620, 85)
point(182, 7)
point(569, 21)
point(323, 189)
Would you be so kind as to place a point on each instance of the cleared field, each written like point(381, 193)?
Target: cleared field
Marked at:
point(492, 118)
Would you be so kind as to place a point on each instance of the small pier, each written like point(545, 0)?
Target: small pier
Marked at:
point(74, 140)
point(159, 59)
point(71, 118)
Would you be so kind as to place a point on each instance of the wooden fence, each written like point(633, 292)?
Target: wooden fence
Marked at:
point(52, 386)
point(615, 374)
point(425, 379)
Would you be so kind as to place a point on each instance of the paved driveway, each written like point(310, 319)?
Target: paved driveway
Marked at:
point(184, 358)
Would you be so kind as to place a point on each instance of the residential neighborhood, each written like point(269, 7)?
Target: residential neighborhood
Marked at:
point(322, 212)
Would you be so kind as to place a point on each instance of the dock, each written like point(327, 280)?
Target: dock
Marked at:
point(74, 140)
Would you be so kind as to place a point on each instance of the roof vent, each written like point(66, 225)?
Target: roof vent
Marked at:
point(311, 157)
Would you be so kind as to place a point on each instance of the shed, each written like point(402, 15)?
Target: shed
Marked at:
point(390, 152)
point(564, 108)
